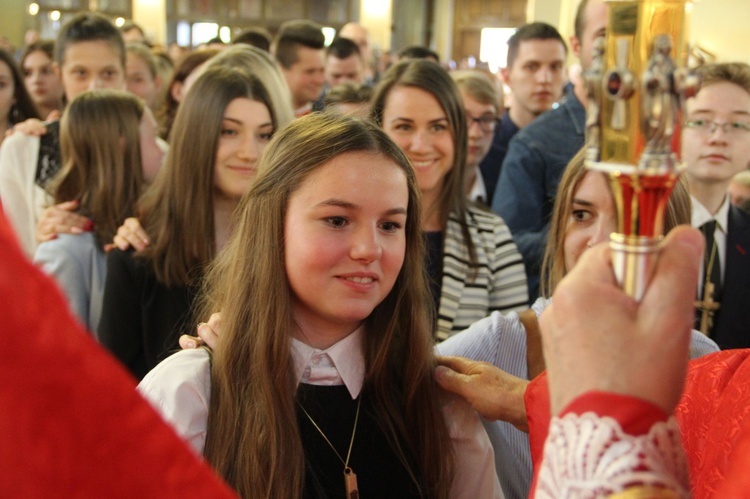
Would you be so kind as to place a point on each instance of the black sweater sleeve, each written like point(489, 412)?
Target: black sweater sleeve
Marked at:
point(120, 326)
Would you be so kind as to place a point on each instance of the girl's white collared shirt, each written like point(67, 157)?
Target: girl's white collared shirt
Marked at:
point(179, 389)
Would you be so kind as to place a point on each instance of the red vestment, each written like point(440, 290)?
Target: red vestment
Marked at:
point(72, 423)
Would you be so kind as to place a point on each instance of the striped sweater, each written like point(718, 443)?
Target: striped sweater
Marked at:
point(500, 280)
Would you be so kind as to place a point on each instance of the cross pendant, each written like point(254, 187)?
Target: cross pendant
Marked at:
point(707, 306)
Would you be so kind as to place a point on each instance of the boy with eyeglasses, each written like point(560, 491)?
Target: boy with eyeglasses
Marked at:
point(715, 147)
point(482, 103)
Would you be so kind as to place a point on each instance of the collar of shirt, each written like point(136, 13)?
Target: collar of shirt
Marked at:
point(302, 111)
point(506, 129)
point(701, 215)
point(478, 190)
point(343, 363)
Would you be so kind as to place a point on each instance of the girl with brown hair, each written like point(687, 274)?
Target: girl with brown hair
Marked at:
point(109, 152)
point(219, 132)
point(474, 265)
point(16, 104)
point(583, 216)
point(42, 78)
point(175, 91)
point(322, 381)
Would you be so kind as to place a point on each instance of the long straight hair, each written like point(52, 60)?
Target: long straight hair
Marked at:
point(23, 108)
point(429, 76)
point(178, 209)
point(101, 153)
point(553, 265)
point(253, 437)
point(167, 109)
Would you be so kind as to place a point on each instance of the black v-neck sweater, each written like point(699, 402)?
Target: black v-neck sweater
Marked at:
point(379, 472)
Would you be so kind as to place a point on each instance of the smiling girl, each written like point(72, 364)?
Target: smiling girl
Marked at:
point(474, 265)
point(321, 383)
point(218, 134)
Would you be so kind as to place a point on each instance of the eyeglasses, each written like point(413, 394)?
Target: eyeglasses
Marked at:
point(486, 122)
point(728, 127)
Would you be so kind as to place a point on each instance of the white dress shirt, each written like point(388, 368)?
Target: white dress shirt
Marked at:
point(478, 192)
point(701, 215)
point(179, 389)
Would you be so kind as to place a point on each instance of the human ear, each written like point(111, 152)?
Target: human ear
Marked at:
point(176, 91)
point(575, 45)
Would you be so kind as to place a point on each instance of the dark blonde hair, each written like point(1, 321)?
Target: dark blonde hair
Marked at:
point(167, 111)
point(730, 72)
point(479, 86)
point(428, 76)
point(101, 155)
point(553, 266)
point(259, 64)
point(253, 437)
point(177, 210)
point(141, 50)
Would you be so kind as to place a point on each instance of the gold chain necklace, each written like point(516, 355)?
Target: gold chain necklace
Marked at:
point(350, 478)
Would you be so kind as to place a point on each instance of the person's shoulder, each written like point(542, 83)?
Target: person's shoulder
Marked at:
point(740, 215)
point(457, 413)
point(126, 258)
point(550, 121)
point(186, 370)
point(701, 345)
point(14, 148)
point(79, 242)
point(179, 388)
point(483, 217)
point(543, 123)
point(499, 339)
point(19, 141)
point(537, 135)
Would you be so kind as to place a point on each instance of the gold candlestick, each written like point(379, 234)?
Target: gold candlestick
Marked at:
point(636, 87)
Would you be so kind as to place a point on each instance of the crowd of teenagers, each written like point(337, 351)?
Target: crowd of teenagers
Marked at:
point(398, 275)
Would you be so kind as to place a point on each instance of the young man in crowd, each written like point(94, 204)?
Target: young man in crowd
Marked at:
point(482, 104)
point(361, 36)
point(538, 154)
point(299, 49)
point(535, 74)
point(715, 147)
point(343, 64)
point(89, 53)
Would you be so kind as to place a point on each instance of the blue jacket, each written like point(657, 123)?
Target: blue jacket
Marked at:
point(531, 171)
point(490, 165)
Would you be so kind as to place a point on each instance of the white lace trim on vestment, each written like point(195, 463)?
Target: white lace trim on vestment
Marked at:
point(588, 456)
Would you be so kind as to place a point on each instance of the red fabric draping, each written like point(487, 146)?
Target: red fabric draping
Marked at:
point(71, 422)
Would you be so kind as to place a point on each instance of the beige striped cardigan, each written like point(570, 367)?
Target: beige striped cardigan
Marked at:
point(500, 281)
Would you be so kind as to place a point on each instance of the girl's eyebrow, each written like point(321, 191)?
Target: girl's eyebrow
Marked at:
point(240, 122)
point(340, 203)
point(582, 202)
point(351, 206)
point(401, 118)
